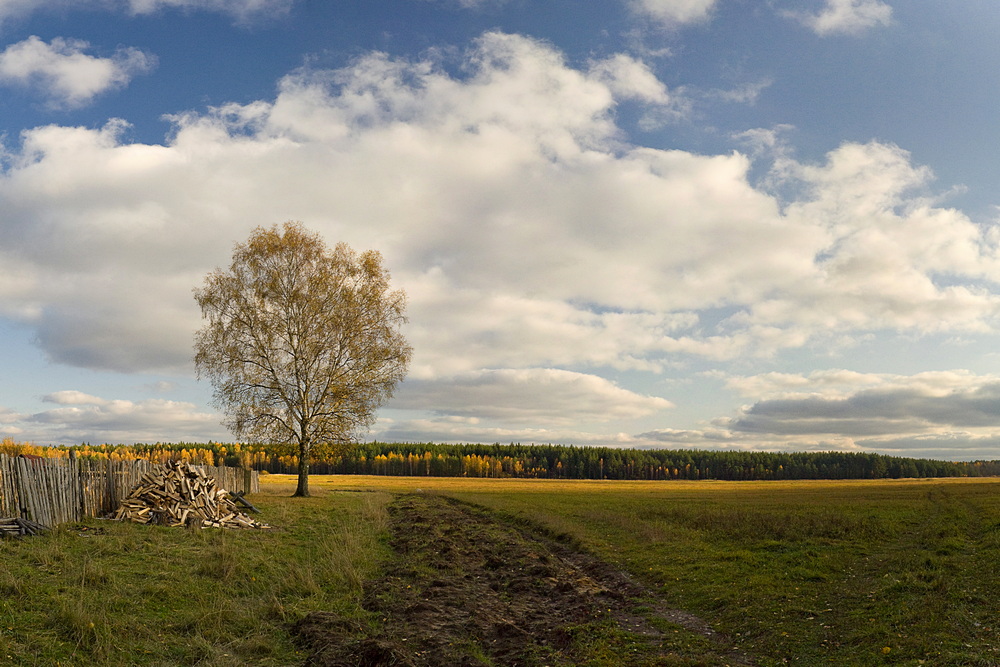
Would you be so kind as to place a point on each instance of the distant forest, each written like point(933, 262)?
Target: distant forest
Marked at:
point(531, 461)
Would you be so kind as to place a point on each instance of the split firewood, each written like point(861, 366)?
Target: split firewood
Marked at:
point(177, 494)
point(18, 527)
point(238, 497)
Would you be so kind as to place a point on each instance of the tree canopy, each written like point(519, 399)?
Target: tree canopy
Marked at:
point(302, 343)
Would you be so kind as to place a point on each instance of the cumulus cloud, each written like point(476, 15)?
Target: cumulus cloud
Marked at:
point(333, 149)
point(526, 231)
point(848, 17)
point(887, 258)
point(953, 411)
point(673, 13)
point(536, 396)
point(952, 415)
point(630, 79)
point(79, 417)
point(64, 74)
point(517, 405)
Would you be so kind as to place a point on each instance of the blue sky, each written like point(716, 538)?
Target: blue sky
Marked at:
point(681, 223)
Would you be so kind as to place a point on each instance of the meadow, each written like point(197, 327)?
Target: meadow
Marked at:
point(805, 573)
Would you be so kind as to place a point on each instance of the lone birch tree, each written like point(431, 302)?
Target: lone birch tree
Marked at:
point(302, 344)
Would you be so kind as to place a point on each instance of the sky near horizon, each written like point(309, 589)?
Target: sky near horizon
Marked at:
point(708, 224)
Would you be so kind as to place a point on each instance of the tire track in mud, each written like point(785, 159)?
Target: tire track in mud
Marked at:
point(466, 587)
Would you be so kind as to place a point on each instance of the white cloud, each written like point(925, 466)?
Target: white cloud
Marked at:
point(631, 79)
point(9, 420)
point(65, 75)
point(535, 396)
point(745, 93)
point(890, 258)
point(73, 397)
point(471, 4)
point(527, 233)
point(241, 10)
point(628, 78)
point(81, 417)
point(838, 384)
point(937, 414)
point(952, 446)
point(450, 430)
point(160, 387)
point(9, 8)
point(503, 329)
point(875, 413)
point(846, 17)
point(672, 13)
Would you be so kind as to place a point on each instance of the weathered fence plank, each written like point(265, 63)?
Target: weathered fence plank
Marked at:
point(10, 498)
point(54, 491)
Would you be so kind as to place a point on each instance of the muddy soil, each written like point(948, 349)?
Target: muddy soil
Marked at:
point(468, 588)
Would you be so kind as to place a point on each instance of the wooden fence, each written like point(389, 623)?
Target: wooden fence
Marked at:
point(54, 491)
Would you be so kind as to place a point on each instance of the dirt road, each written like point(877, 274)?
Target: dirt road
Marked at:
point(468, 588)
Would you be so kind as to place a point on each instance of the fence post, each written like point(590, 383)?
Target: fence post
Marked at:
point(23, 491)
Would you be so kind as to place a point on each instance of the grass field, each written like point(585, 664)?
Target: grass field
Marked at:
point(102, 592)
point(806, 573)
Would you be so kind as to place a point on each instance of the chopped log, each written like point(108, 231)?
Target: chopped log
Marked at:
point(155, 500)
point(20, 527)
point(238, 497)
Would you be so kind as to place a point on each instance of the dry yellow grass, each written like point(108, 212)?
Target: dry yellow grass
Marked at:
point(319, 484)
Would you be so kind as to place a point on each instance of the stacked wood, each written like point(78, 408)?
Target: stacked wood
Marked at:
point(56, 491)
point(17, 527)
point(178, 494)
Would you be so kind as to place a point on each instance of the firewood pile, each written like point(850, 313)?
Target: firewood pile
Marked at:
point(20, 528)
point(177, 494)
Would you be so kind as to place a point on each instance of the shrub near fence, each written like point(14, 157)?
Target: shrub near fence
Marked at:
point(54, 491)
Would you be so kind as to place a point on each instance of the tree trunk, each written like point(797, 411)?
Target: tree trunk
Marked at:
point(302, 490)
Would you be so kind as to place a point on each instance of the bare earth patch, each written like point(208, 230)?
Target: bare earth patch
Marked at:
point(469, 588)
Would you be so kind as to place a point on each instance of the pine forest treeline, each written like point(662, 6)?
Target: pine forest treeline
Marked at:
point(530, 461)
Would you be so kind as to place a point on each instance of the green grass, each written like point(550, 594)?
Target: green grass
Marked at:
point(803, 573)
point(102, 592)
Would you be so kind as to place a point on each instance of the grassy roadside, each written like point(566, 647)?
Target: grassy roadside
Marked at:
point(804, 573)
point(106, 593)
point(808, 573)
